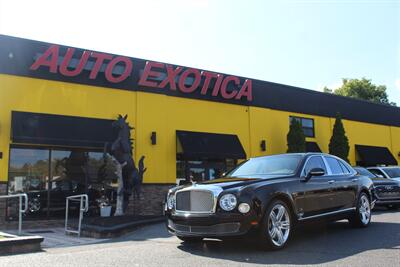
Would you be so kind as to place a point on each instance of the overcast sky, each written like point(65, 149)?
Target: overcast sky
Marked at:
point(309, 44)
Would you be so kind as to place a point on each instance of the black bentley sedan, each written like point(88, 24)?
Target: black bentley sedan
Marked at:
point(269, 196)
point(387, 189)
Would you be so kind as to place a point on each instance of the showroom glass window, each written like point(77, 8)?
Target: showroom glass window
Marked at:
point(307, 125)
point(48, 176)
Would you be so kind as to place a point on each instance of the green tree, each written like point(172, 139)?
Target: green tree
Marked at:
point(339, 143)
point(296, 140)
point(362, 89)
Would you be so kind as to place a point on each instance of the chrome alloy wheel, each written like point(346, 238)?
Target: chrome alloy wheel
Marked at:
point(364, 209)
point(279, 225)
point(34, 205)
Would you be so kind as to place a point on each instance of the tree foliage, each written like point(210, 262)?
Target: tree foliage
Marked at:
point(362, 89)
point(339, 143)
point(296, 140)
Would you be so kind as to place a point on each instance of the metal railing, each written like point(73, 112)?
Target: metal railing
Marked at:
point(83, 207)
point(20, 210)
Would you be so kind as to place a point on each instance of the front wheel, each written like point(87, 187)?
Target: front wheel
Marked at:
point(190, 239)
point(362, 217)
point(277, 225)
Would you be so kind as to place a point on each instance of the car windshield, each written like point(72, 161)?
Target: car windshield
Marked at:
point(270, 165)
point(393, 172)
point(365, 172)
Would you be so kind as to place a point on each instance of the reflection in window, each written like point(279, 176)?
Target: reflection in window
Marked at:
point(306, 124)
point(28, 170)
point(72, 172)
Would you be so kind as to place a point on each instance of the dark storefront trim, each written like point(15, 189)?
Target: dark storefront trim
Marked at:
point(17, 55)
point(59, 130)
point(374, 155)
point(198, 145)
point(312, 147)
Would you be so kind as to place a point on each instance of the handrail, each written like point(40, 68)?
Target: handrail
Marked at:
point(20, 210)
point(83, 207)
point(86, 208)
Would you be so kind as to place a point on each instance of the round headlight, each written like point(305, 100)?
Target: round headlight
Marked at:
point(244, 207)
point(171, 201)
point(228, 202)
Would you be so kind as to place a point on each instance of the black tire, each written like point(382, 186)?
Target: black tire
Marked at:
point(190, 239)
point(362, 216)
point(277, 227)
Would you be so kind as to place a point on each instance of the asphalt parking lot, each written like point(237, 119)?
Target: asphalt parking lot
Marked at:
point(334, 244)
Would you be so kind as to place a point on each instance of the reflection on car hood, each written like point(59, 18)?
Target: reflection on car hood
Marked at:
point(230, 182)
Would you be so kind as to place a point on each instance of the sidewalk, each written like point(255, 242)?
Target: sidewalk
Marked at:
point(55, 237)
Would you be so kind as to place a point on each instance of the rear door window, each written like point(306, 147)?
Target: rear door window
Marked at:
point(334, 165)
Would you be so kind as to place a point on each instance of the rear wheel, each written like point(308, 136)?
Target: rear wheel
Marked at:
point(190, 239)
point(34, 205)
point(277, 225)
point(362, 217)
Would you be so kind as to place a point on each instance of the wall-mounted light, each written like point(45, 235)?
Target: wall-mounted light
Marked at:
point(153, 138)
point(263, 145)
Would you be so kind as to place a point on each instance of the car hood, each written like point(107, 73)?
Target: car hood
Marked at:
point(385, 181)
point(232, 182)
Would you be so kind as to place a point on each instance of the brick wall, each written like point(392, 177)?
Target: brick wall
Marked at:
point(151, 200)
point(3, 191)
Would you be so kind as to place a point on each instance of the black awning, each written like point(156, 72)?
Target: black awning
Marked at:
point(198, 145)
point(312, 147)
point(57, 130)
point(375, 155)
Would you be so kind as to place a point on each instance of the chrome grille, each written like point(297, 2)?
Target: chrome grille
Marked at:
point(388, 191)
point(195, 201)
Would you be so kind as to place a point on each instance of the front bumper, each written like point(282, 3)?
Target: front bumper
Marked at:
point(215, 225)
point(381, 202)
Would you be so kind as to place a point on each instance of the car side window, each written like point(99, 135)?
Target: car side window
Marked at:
point(314, 162)
point(344, 168)
point(377, 172)
point(334, 165)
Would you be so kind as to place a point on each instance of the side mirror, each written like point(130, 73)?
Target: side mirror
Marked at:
point(314, 172)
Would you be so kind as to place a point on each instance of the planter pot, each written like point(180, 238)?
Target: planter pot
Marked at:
point(105, 211)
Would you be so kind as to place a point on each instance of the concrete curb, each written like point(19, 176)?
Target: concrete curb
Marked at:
point(96, 231)
point(20, 244)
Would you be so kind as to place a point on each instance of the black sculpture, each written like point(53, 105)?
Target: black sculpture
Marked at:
point(122, 149)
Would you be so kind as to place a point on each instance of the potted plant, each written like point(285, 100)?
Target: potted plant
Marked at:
point(105, 207)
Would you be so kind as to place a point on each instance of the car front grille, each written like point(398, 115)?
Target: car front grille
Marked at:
point(195, 201)
point(388, 191)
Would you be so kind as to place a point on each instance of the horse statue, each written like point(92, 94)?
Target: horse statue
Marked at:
point(122, 150)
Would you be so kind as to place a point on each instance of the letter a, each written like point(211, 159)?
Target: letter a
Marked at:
point(49, 58)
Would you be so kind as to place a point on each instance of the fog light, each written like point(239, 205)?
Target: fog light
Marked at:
point(244, 207)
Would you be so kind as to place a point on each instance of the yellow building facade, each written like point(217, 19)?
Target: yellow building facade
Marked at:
point(255, 117)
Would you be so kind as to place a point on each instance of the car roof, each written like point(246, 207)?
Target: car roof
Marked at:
point(300, 154)
point(383, 167)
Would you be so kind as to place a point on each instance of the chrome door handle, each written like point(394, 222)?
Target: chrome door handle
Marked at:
point(331, 181)
point(354, 180)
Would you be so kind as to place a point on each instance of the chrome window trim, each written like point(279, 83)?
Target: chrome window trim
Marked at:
point(303, 174)
point(352, 171)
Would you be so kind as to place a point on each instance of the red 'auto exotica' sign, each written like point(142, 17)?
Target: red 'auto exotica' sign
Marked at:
point(155, 74)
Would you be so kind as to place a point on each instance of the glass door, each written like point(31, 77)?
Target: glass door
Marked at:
point(29, 173)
